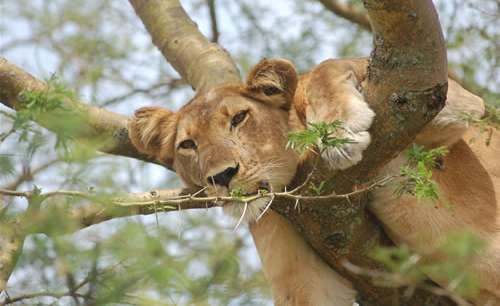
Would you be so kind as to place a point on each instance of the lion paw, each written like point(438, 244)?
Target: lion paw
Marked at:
point(350, 154)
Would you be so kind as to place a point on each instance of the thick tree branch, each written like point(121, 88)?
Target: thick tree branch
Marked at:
point(406, 87)
point(407, 76)
point(348, 12)
point(360, 18)
point(11, 244)
point(201, 63)
point(98, 123)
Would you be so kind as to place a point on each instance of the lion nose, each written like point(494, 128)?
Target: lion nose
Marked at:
point(223, 178)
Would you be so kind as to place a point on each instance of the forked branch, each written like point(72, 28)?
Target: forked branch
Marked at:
point(201, 63)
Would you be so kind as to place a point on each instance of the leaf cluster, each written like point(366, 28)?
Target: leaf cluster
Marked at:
point(418, 172)
point(322, 134)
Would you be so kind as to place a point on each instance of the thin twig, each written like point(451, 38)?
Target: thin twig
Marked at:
point(192, 198)
point(213, 20)
point(396, 280)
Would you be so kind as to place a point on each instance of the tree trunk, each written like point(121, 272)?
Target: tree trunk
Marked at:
point(406, 87)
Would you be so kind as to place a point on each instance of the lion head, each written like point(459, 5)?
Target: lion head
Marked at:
point(231, 137)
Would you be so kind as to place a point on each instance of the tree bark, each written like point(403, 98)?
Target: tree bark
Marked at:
point(406, 87)
point(11, 244)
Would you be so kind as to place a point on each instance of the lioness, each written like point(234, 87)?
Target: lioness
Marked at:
point(236, 136)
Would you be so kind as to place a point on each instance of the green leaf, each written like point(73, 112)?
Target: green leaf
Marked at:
point(418, 172)
point(321, 135)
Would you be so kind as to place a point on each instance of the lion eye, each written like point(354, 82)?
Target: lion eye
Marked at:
point(238, 118)
point(271, 90)
point(187, 144)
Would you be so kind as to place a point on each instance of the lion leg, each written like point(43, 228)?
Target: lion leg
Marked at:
point(296, 273)
point(452, 122)
point(333, 95)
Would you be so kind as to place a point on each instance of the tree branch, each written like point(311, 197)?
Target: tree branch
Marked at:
point(348, 12)
point(104, 207)
point(201, 63)
point(406, 87)
point(213, 20)
point(360, 18)
point(97, 123)
point(11, 245)
point(29, 173)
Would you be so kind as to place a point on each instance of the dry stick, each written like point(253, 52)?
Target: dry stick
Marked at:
point(39, 294)
point(192, 198)
point(166, 201)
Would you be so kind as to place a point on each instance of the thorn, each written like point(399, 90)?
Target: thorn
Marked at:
point(241, 218)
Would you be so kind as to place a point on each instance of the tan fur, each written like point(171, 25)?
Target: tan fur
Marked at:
point(469, 188)
point(278, 101)
point(296, 274)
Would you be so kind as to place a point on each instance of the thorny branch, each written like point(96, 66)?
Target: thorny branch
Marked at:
point(28, 174)
point(103, 208)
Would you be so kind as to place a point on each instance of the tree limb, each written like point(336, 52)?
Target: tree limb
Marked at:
point(11, 245)
point(201, 63)
point(213, 20)
point(29, 173)
point(98, 123)
point(104, 207)
point(348, 12)
point(406, 87)
point(360, 18)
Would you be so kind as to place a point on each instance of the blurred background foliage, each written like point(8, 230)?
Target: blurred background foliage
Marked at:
point(102, 52)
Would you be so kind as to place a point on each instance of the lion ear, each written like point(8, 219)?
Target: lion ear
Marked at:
point(152, 131)
point(275, 80)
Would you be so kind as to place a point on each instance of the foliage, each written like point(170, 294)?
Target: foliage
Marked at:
point(490, 121)
point(418, 173)
point(323, 135)
point(317, 189)
point(238, 193)
point(453, 258)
